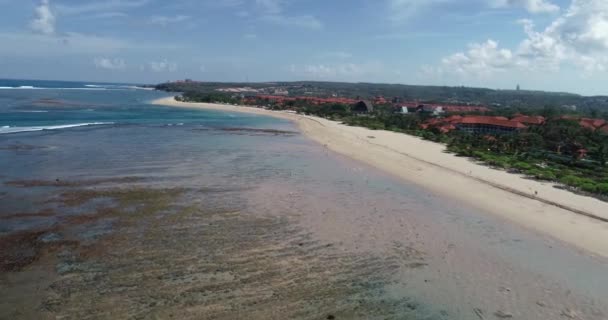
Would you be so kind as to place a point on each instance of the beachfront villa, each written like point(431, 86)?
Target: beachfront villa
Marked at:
point(362, 107)
point(475, 124)
point(489, 125)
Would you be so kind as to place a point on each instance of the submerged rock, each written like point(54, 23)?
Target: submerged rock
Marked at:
point(50, 237)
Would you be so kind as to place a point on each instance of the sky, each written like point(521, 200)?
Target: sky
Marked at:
point(555, 45)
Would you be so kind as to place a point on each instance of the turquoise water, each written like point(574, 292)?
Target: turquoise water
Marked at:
point(61, 85)
point(49, 108)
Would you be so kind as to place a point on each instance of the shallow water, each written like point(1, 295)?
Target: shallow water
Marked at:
point(165, 213)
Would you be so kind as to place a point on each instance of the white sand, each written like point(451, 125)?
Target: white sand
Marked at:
point(532, 204)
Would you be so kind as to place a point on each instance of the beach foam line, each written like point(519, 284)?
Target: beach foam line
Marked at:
point(9, 129)
point(41, 88)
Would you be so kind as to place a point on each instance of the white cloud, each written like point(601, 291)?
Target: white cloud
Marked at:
point(242, 13)
point(250, 36)
point(272, 11)
point(165, 20)
point(578, 37)
point(110, 64)
point(44, 22)
point(304, 21)
point(32, 45)
point(532, 6)
point(107, 15)
point(336, 55)
point(99, 6)
point(401, 10)
point(340, 72)
point(481, 59)
point(270, 6)
point(163, 66)
point(37, 45)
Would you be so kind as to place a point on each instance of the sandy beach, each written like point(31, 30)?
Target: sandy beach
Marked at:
point(560, 214)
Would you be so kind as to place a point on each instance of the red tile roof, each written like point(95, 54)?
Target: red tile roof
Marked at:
point(447, 128)
point(448, 124)
point(456, 109)
point(538, 120)
point(592, 123)
point(494, 121)
point(446, 107)
point(313, 100)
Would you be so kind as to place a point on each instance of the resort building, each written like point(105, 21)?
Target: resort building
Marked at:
point(593, 124)
point(530, 120)
point(474, 124)
point(282, 100)
point(489, 125)
point(588, 123)
point(438, 109)
point(362, 107)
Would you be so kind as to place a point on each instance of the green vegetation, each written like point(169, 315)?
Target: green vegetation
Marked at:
point(550, 152)
point(507, 100)
point(213, 97)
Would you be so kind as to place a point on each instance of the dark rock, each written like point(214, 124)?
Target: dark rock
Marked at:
point(503, 315)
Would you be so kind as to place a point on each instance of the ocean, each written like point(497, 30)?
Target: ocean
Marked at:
point(51, 105)
point(111, 207)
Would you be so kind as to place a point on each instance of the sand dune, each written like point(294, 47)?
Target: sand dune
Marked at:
point(572, 218)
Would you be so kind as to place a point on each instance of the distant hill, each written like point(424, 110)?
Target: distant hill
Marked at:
point(439, 94)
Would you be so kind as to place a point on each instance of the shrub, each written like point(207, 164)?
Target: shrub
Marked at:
point(523, 166)
point(427, 135)
point(480, 155)
point(571, 181)
point(547, 175)
point(589, 187)
point(533, 173)
point(541, 174)
point(602, 188)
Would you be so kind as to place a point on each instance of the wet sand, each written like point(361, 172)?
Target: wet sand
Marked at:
point(177, 256)
point(285, 251)
point(533, 204)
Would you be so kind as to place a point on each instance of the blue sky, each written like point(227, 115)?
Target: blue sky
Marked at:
point(558, 45)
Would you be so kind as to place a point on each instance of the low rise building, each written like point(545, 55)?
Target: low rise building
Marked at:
point(362, 107)
point(489, 125)
point(475, 124)
point(530, 120)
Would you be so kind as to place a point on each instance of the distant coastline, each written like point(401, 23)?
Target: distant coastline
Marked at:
point(572, 218)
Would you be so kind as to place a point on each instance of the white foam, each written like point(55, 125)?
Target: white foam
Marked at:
point(20, 88)
point(38, 88)
point(9, 129)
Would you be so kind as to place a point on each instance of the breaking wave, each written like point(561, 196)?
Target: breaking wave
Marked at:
point(9, 129)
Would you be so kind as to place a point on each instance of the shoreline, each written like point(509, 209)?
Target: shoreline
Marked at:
point(572, 218)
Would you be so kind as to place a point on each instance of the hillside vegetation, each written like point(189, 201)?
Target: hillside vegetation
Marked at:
point(440, 94)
